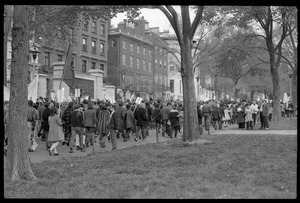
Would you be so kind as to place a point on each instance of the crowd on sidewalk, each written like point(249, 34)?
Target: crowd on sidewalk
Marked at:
point(77, 125)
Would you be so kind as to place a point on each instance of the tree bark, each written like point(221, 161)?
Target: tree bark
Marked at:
point(18, 161)
point(294, 89)
point(191, 127)
point(236, 93)
point(7, 28)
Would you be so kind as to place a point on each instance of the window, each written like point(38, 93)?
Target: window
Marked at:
point(124, 44)
point(150, 52)
point(131, 47)
point(101, 66)
point(93, 65)
point(160, 65)
point(165, 65)
point(59, 57)
point(138, 48)
point(172, 86)
point(144, 64)
point(156, 78)
point(144, 50)
point(172, 68)
point(102, 49)
point(113, 43)
point(102, 29)
point(84, 66)
point(131, 61)
point(160, 79)
point(94, 27)
point(93, 47)
point(155, 64)
point(47, 58)
point(138, 63)
point(124, 59)
point(85, 25)
point(84, 44)
point(150, 66)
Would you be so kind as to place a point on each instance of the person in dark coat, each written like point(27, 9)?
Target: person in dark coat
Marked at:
point(77, 125)
point(215, 116)
point(119, 114)
point(45, 115)
point(199, 113)
point(66, 118)
point(240, 118)
point(157, 117)
point(150, 117)
point(90, 121)
point(141, 118)
point(103, 124)
point(129, 122)
point(174, 119)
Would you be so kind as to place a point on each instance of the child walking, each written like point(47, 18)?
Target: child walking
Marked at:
point(55, 134)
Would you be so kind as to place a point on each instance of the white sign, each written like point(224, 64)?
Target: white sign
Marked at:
point(77, 92)
point(139, 100)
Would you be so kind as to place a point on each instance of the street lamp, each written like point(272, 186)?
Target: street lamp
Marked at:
point(34, 50)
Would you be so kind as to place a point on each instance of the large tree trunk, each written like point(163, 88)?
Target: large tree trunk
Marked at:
point(236, 93)
point(7, 28)
point(18, 161)
point(191, 127)
point(276, 89)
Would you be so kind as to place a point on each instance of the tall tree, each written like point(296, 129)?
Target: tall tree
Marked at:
point(185, 37)
point(267, 19)
point(8, 16)
point(17, 162)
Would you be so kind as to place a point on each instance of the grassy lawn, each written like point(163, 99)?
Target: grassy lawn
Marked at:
point(283, 125)
point(232, 166)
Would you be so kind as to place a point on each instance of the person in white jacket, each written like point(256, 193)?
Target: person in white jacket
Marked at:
point(255, 110)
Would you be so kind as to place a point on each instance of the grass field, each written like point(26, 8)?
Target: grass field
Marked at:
point(232, 166)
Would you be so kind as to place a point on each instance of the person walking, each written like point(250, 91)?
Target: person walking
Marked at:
point(270, 111)
point(249, 117)
point(45, 115)
point(77, 125)
point(282, 109)
point(66, 118)
point(150, 117)
point(157, 117)
point(215, 116)
point(255, 111)
point(265, 114)
point(206, 112)
point(261, 117)
point(55, 135)
point(141, 118)
point(174, 119)
point(240, 117)
point(90, 121)
point(32, 117)
point(199, 114)
point(119, 113)
point(112, 126)
point(165, 114)
point(103, 124)
point(226, 118)
point(129, 122)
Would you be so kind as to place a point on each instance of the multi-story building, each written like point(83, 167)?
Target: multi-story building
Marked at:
point(135, 60)
point(89, 53)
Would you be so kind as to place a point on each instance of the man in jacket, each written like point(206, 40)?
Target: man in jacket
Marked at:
point(165, 115)
point(206, 112)
point(141, 118)
point(77, 118)
point(265, 114)
point(119, 114)
point(66, 118)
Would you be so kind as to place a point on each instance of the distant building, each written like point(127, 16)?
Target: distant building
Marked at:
point(137, 63)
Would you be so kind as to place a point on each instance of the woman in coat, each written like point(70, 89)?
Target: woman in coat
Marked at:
point(141, 118)
point(249, 117)
point(90, 121)
point(55, 134)
point(240, 117)
point(174, 119)
point(103, 124)
point(129, 122)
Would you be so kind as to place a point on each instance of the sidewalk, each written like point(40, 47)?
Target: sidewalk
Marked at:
point(41, 154)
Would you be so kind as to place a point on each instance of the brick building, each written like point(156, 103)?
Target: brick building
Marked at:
point(89, 54)
point(134, 65)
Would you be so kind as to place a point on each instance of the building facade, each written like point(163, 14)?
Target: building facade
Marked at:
point(134, 63)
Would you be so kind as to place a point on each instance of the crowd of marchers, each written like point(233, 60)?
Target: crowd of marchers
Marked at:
point(78, 125)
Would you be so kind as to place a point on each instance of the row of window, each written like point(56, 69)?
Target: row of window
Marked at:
point(158, 50)
point(138, 63)
point(160, 79)
point(92, 66)
point(93, 46)
point(85, 26)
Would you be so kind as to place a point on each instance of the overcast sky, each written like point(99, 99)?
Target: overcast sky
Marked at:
point(155, 17)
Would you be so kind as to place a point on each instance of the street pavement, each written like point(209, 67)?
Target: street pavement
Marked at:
point(41, 154)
